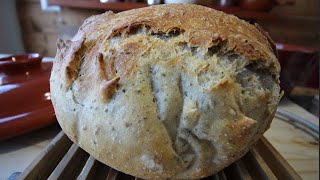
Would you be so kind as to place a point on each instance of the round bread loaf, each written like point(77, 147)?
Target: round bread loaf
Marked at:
point(167, 91)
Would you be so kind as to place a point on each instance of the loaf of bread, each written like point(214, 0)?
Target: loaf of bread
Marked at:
point(166, 92)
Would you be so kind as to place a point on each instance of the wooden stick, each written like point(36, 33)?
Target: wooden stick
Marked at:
point(71, 164)
point(279, 166)
point(43, 165)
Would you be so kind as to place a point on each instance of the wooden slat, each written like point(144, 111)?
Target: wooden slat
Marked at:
point(222, 175)
point(275, 161)
point(43, 165)
point(213, 177)
point(71, 164)
point(113, 174)
point(93, 170)
point(256, 167)
point(237, 171)
point(262, 162)
point(219, 176)
point(126, 177)
point(304, 91)
point(101, 172)
point(243, 170)
point(89, 167)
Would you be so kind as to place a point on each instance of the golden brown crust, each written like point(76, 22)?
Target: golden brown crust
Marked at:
point(205, 28)
point(108, 88)
point(168, 91)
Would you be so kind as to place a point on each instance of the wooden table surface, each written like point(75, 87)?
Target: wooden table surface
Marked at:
point(299, 148)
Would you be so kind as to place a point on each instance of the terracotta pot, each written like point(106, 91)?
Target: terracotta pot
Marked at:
point(24, 95)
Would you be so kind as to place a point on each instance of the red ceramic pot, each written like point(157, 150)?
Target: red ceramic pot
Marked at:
point(24, 95)
point(299, 66)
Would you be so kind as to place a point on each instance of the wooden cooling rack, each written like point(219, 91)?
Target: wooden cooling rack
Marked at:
point(62, 159)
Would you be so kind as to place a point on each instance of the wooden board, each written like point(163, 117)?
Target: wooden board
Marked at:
point(68, 161)
point(297, 145)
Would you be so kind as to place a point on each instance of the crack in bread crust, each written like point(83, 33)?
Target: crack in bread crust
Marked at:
point(167, 90)
point(73, 61)
point(191, 93)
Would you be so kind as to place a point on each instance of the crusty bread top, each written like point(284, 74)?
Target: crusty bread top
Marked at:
point(167, 91)
point(202, 27)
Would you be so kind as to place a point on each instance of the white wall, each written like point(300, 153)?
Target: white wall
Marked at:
point(10, 33)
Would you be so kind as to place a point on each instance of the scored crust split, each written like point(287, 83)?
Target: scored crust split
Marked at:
point(167, 91)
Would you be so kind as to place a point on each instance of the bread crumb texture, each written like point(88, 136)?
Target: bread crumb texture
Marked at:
point(167, 91)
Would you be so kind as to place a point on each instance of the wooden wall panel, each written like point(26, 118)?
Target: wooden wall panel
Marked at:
point(302, 8)
point(298, 24)
point(44, 44)
point(294, 31)
point(41, 29)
